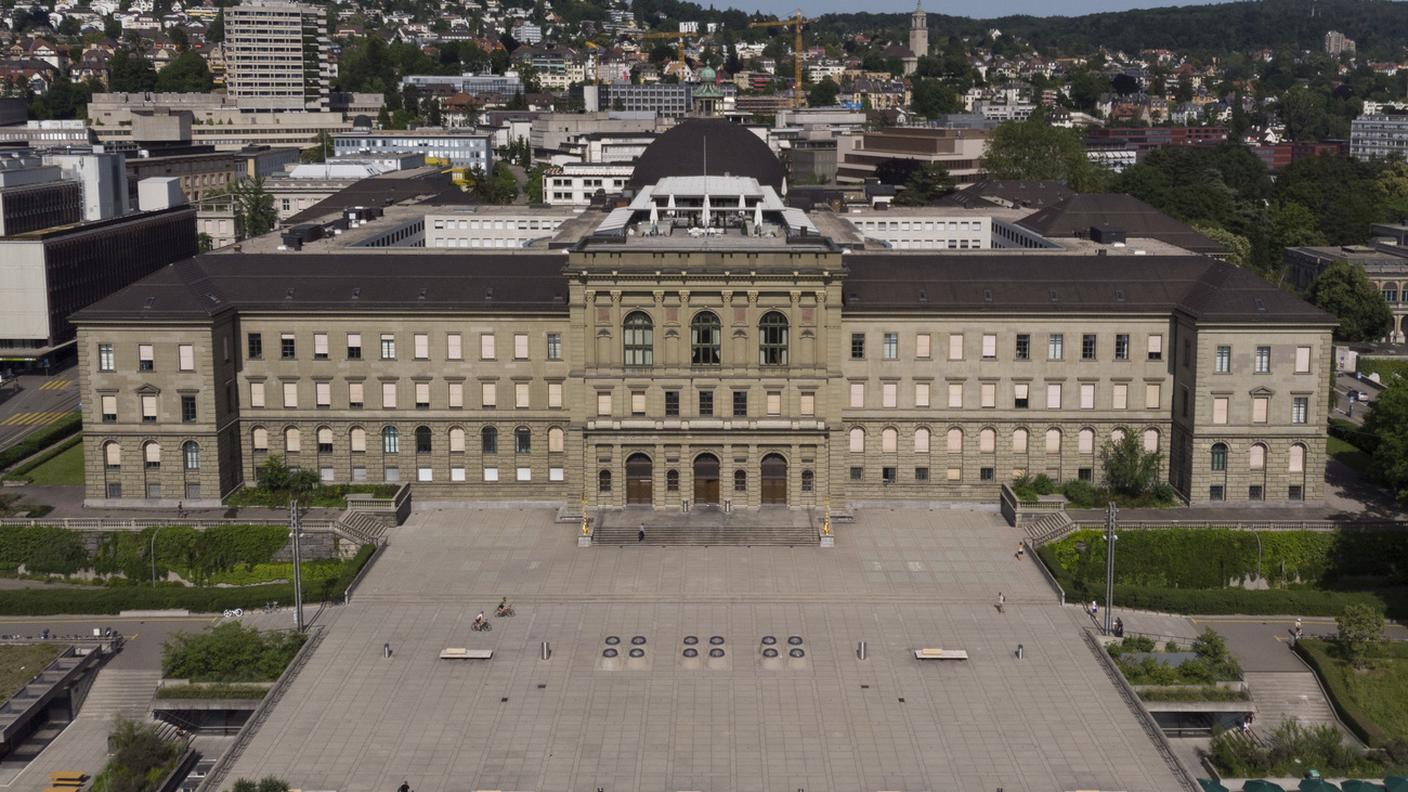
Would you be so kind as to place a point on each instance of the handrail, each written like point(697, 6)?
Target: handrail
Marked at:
point(1327, 526)
point(361, 573)
point(1040, 564)
point(130, 524)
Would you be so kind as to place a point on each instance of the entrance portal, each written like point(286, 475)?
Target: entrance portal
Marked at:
point(706, 479)
point(639, 479)
point(774, 480)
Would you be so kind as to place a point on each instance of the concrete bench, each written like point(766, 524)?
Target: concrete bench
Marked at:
point(67, 778)
point(940, 654)
point(460, 653)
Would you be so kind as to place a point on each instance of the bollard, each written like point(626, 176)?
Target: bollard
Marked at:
point(386, 650)
point(860, 650)
point(547, 650)
point(1021, 652)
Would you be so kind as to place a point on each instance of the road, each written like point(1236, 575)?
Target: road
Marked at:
point(35, 403)
point(1344, 383)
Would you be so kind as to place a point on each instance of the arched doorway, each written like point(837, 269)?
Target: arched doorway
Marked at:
point(639, 478)
point(774, 480)
point(706, 479)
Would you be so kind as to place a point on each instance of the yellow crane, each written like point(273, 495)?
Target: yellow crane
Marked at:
point(665, 35)
point(795, 23)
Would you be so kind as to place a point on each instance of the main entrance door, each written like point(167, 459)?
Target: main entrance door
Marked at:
point(706, 479)
point(639, 479)
point(774, 480)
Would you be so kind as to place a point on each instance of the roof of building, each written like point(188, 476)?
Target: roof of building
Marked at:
point(427, 187)
point(1204, 288)
point(731, 149)
point(1036, 194)
point(198, 288)
point(1076, 215)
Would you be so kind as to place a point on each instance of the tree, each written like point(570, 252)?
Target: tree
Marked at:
point(131, 72)
point(1239, 248)
point(186, 73)
point(253, 207)
point(1344, 193)
point(204, 242)
point(933, 98)
point(216, 32)
point(1129, 469)
point(1302, 110)
point(1343, 291)
point(533, 183)
point(139, 754)
point(1359, 628)
point(823, 94)
point(1292, 225)
point(319, 150)
point(496, 187)
point(1032, 150)
point(1124, 84)
point(70, 26)
point(926, 184)
point(1393, 183)
point(179, 38)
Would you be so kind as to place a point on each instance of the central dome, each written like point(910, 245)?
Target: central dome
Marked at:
point(732, 149)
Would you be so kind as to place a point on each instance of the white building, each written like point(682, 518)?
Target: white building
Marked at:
point(277, 56)
point(492, 227)
point(574, 183)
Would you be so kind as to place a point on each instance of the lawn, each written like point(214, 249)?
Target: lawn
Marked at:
point(1348, 454)
point(19, 664)
point(1373, 696)
point(62, 469)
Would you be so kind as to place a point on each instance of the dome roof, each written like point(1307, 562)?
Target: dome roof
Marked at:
point(706, 74)
point(732, 150)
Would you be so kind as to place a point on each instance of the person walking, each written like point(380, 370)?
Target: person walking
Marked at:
point(1020, 551)
point(405, 787)
point(640, 535)
point(1094, 611)
point(1001, 603)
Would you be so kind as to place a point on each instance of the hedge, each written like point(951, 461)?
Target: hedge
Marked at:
point(1316, 654)
point(230, 653)
point(212, 691)
point(1188, 693)
point(39, 459)
point(196, 555)
point(69, 424)
point(111, 600)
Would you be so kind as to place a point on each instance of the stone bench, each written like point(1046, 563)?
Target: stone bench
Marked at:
point(67, 778)
point(460, 653)
point(940, 654)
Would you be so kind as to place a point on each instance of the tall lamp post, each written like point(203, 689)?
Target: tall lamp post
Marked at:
point(295, 523)
point(1110, 538)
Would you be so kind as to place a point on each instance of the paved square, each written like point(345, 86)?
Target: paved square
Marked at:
point(900, 580)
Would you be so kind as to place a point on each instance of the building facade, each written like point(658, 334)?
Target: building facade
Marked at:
point(277, 56)
point(458, 147)
point(1379, 136)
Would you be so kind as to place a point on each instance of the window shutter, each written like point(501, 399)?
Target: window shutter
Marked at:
point(422, 393)
point(453, 345)
point(1302, 359)
point(989, 346)
point(359, 439)
point(921, 345)
point(1219, 410)
point(422, 344)
point(1053, 396)
point(320, 343)
point(187, 357)
point(1259, 409)
point(290, 394)
point(456, 394)
point(1152, 396)
point(1119, 396)
point(256, 394)
point(921, 394)
point(109, 405)
point(148, 406)
point(388, 394)
point(955, 346)
point(324, 393)
point(554, 394)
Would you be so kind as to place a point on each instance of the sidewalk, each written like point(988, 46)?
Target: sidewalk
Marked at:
point(68, 503)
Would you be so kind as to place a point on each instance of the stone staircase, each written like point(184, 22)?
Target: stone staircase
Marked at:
point(1048, 528)
point(361, 527)
point(1296, 695)
point(120, 691)
point(751, 528)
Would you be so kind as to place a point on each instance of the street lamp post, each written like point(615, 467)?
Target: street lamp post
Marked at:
point(155, 530)
point(1110, 538)
point(296, 534)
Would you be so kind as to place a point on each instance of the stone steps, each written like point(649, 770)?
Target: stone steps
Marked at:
point(1288, 694)
point(1048, 528)
point(121, 692)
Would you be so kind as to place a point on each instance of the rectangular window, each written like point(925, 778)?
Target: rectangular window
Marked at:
point(1156, 347)
point(988, 394)
point(105, 357)
point(954, 474)
point(808, 405)
point(486, 346)
point(1263, 360)
point(290, 394)
point(354, 346)
point(1223, 362)
point(740, 403)
point(521, 396)
point(921, 346)
point(388, 395)
point(1259, 409)
point(1153, 396)
point(420, 343)
point(891, 348)
point(456, 398)
point(1254, 492)
point(320, 346)
point(889, 394)
point(185, 357)
point(1087, 346)
point(287, 349)
point(1122, 346)
point(857, 346)
point(603, 403)
point(706, 403)
point(255, 346)
point(454, 347)
point(989, 346)
point(774, 403)
point(109, 409)
point(356, 395)
point(1020, 393)
point(1053, 395)
point(520, 346)
point(857, 394)
point(146, 359)
point(488, 395)
point(1085, 474)
point(422, 395)
point(921, 474)
point(889, 475)
point(1295, 492)
point(188, 409)
point(1055, 346)
point(1119, 396)
point(322, 394)
point(148, 408)
point(256, 394)
point(1219, 409)
point(955, 395)
point(1215, 493)
point(1087, 396)
point(491, 474)
point(1024, 347)
point(955, 346)
point(857, 473)
point(986, 474)
point(637, 402)
point(388, 346)
point(555, 395)
point(1302, 360)
point(672, 402)
point(554, 346)
point(1300, 406)
point(921, 394)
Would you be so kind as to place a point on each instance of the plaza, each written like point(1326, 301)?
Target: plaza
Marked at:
point(898, 579)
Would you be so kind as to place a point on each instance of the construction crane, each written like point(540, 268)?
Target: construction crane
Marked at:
point(680, 36)
point(795, 23)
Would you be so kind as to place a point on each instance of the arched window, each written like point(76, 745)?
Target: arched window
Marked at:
point(857, 440)
point(987, 440)
point(921, 440)
point(1219, 456)
point(639, 338)
point(456, 440)
point(423, 440)
point(293, 440)
point(523, 440)
point(259, 438)
point(489, 440)
point(151, 455)
point(1086, 441)
point(889, 440)
point(1117, 435)
point(672, 481)
point(555, 440)
point(1296, 461)
point(324, 440)
point(357, 440)
point(955, 440)
point(190, 455)
point(704, 338)
point(603, 481)
point(112, 455)
point(1019, 441)
point(808, 480)
point(740, 481)
point(390, 440)
point(1053, 441)
point(772, 339)
point(1256, 457)
point(1151, 440)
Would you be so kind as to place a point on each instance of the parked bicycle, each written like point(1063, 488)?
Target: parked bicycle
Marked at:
point(234, 613)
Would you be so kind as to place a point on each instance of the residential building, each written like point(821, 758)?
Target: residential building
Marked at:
point(575, 183)
point(459, 147)
point(277, 56)
point(1337, 44)
point(1379, 136)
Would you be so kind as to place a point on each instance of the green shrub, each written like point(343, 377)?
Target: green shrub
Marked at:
point(212, 691)
point(69, 424)
point(1081, 494)
point(42, 549)
point(1353, 693)
point(1288, 750)
point(1188, 693)
point(229, 652)
point(139, 759)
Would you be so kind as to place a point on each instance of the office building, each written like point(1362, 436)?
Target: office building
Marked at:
point(1379, 137)
point(465, 148)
